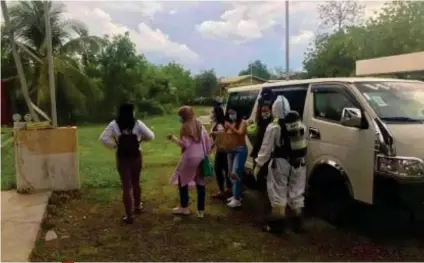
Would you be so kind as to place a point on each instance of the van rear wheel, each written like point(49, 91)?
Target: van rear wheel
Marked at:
point(328, 196)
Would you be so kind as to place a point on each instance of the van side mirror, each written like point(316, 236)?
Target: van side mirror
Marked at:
point(351, 117)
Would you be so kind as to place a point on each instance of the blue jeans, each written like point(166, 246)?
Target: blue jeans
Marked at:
point(236, 162)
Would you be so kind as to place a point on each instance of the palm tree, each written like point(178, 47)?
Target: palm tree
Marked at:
point(70, 42)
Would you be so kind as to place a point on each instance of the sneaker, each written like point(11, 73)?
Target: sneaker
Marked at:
point(200, 214)
point(180, 211)
point(232, 198)
point(234, 203)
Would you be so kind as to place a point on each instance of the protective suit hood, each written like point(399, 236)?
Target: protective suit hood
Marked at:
point(280, 107)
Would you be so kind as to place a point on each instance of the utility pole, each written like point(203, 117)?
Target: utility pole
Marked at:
point(50, 62)
point(251, 73)
point(287, 40)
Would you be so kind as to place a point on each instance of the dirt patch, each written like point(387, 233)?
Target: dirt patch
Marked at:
point(88, 229)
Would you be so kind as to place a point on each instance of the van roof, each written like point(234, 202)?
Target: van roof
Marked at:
point(311, 81)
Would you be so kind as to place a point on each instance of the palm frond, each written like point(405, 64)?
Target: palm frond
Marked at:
point(82, 44)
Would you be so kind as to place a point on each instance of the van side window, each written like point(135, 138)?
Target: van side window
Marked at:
point(329, 105)
point(243, 101)
point(296, 95)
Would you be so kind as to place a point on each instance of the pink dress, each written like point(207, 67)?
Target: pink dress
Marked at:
point(188, 168)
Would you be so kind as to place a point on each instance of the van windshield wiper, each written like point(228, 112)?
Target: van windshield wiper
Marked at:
point(403, 119)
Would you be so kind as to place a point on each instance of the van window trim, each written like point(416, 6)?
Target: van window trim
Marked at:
point(291, 87)
point(323, 87)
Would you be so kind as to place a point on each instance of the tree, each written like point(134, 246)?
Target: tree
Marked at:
point(121, 72)
point(206, 84)
point(258, 69)
point(397, 29)
point(93, 75)
point(332, 56)
point(27, 21)
point(280, 74)
point(18, 62)
point(180, 82)
point(340, 13)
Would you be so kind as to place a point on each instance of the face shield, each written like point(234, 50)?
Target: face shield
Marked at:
point(280, 107)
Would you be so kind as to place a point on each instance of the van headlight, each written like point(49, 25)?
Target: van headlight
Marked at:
point(407, 167)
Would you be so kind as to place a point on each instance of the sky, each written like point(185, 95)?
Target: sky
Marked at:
point(200, 35)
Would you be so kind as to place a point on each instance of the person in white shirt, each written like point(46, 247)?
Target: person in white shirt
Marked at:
point(125, 134)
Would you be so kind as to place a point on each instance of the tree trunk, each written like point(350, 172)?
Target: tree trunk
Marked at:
point(18, 63)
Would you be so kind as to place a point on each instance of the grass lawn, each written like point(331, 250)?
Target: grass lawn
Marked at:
point(88, 227)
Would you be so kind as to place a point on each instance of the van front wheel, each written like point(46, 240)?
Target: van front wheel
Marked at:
point(328, 196)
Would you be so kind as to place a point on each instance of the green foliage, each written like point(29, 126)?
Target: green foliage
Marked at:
point(258, 69)
point(206, 84)
point(397, 29)
point(93, 75)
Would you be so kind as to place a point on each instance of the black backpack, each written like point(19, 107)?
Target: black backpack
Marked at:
point(128, 144)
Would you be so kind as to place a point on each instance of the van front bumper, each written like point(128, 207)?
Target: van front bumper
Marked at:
point(391, 192)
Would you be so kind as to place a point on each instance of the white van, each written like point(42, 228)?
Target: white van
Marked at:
point(366, 138)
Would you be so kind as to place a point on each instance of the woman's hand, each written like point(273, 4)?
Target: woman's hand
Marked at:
point(227, 125)
point(233, 176)
point(169, 137)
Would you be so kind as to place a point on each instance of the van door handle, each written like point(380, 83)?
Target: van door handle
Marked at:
point(314, 133)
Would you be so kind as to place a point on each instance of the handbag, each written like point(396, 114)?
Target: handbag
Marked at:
point(226, 142)
point(205, 165)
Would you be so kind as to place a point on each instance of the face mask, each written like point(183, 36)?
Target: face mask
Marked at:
point(266, 115)
point(233, 116)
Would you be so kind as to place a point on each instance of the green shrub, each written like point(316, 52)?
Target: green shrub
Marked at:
point(153, 108)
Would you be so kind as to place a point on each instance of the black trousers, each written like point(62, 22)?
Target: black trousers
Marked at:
point(221, 171)
point(184, 198)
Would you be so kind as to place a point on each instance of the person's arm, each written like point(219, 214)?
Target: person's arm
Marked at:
point(267, 145)
point(207, 142)
point(219, 128)
point(107, 135)
point(145, 133)
point(241, 130)
point(183, 142)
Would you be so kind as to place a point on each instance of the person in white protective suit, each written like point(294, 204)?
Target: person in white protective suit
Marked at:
point(284, 146)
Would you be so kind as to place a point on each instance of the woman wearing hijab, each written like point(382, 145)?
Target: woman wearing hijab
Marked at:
point(125, 134)
point(195, 146)
point(237, 158)
point(284, 147)
point(220, 165)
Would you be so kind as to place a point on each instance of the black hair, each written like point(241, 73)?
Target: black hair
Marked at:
point(125, 118)
point(219, 114)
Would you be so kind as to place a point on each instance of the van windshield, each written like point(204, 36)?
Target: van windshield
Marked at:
point(395, 102)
